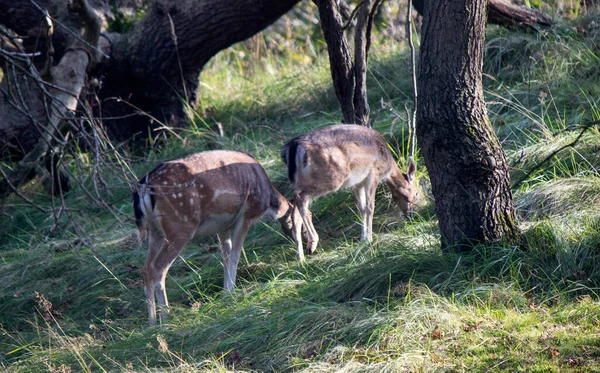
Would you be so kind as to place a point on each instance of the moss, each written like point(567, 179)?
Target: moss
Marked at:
point(471, 131)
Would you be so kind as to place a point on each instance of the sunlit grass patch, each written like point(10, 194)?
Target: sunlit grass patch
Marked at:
point(72, 299)
point(560, 197)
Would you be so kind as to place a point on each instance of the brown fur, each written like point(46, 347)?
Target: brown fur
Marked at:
point(345, 156)
point(214, 192)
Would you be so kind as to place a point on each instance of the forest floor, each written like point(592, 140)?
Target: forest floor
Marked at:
point(71, 296)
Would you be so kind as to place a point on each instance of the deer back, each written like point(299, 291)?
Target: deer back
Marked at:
point(338, 156)
point(207, 190)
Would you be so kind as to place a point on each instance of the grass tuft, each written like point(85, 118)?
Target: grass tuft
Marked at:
point(71, 298)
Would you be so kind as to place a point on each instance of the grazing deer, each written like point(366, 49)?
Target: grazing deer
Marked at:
point(345, 156)
point(214, 192)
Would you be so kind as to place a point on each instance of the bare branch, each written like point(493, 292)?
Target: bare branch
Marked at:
point(412, 123)
point(353, 14)
point(50, 45)
point(361, 106)
point(16, 191)
point(90, 17)
point(372, 15)
point(584, 128)
point(6, 53)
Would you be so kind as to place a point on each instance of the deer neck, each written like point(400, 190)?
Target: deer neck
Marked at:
point(280, 206)
point(396, 178)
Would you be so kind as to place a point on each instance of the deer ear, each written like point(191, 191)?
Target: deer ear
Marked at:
point(411, 169)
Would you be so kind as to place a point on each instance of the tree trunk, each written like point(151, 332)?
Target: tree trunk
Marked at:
point(150, 79)
point(349, 76)
point(23, 111)
point(361, 51)
point(340, 60)
point(504, 13)
point(152, 73)
point(466, 164)
point(156, 67)
point(46, 100)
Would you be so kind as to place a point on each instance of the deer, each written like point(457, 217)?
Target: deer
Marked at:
point(345, 156)
point(213, 192)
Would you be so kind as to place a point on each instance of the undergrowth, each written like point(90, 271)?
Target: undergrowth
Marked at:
point(71, 299)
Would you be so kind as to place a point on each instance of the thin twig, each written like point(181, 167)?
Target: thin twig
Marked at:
point(19, 54)
point(142, 112)
point(412, 124)
point(376, 115)
point(71, 31)
point(21, 195)
point(50, 45)
point(353, 14)
point(372, 15)
point(583, 128)
point(174, 37)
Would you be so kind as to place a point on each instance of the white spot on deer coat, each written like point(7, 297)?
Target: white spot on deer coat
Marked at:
point(217, 193)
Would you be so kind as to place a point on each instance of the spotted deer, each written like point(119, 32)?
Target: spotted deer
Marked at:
point(345, 156)
point(214, 192)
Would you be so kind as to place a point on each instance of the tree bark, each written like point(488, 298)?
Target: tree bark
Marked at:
point(156, 67)
point(349, 76)
point(362, 35)
point(504, 13)
point(466, 164)
point(501, 12)
point(55, 95)
point(152, 73)
point(340, 60)
point(150, 79)
point(23, 112)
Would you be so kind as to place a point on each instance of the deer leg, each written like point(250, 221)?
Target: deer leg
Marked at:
point(239, 234)
point(360, 192)
point(297, 233)
point(149, 291)
point(166, 258)
point(371, 191)
point(302, 206)
point(162, 252)
point(226, 243)
point(156, 242)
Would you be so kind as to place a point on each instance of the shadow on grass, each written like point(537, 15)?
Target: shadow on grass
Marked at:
point(538, 275)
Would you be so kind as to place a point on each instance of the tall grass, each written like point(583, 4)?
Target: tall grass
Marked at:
point(72, 300)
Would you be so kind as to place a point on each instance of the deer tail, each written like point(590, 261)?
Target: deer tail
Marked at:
point(290, 154)
point(143, 204)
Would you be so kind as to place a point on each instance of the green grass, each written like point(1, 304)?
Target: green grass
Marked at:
point(71, 296)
